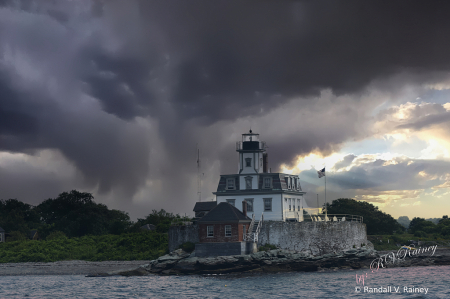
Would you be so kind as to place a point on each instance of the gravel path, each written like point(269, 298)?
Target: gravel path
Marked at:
point(67, 267)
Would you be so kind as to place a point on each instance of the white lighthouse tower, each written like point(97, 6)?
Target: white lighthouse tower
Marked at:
point(279, 196)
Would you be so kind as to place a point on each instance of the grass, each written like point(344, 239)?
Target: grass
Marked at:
point(393, 242)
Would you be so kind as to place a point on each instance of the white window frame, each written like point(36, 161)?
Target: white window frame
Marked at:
point(232, 202)
point(290, 204)
point(298, 204)
point(231, 186)
point(269, 200)
point(269, 179)
point(227, 230)
point(210, 231)
point(249, 204)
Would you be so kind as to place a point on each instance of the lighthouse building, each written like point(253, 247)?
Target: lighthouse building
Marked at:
point(278, 195)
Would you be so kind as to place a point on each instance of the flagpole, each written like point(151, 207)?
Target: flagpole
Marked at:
point(326, 208)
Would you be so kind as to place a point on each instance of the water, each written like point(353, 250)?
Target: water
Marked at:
point(339, 284)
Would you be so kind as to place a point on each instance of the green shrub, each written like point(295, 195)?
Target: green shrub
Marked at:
point(16, 236)
point(124, 247)
point(56, 235)
point(188, 246)
point(267, 247)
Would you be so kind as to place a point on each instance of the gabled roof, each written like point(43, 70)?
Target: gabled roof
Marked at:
point(224, 212)
point(1, 229)
point(205, 206)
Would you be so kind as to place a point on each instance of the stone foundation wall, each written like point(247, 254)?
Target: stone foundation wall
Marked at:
point(182, 234)
point(316, 238)
point(219, 249)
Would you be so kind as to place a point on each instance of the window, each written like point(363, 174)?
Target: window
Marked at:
point(210, 231)
point(231, 202)
point(1, 237)
point(288, 182)
point(249, 204)
point(295, 183)
point(260, 162)
point(248, 162)
point(248, 182)
point(268, 183)
point(227, 230)
point(290, 201)
point(243, 229)
point(230, 184)
point(267, 204)
point(298, 204)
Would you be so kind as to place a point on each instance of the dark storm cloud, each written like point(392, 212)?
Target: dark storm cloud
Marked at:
point(383, 175)
point(191, 65)
point(427, 121)
point(347, 161)
point(236, 51)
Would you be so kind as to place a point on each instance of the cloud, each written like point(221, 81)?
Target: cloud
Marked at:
point(124, 91)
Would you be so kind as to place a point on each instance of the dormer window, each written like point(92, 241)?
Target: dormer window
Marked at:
point(288, 182)
point(248, 162)
point(230, 184)
point(267, 183)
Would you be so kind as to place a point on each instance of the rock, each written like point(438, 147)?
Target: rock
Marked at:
point(180, 262)
point(136, 272)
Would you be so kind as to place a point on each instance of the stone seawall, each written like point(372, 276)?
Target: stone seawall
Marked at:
point(315, 238)
point(182, 234)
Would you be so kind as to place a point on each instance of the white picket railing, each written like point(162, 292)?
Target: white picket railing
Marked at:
point(252, 234)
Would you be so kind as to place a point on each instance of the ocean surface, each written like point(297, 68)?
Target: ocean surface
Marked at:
point(339, 284)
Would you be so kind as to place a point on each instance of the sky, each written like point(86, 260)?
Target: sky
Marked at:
point(115, 97)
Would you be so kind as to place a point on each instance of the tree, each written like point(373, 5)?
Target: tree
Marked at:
point(76, 214)
point(377, 222)
point(18, 216)
point(161, 219)
point(422, 225)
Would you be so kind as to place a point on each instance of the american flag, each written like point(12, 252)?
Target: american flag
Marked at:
point(321, 173)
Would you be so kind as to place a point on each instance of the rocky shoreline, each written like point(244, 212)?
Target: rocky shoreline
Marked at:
point(180, 262)
point(73, 267)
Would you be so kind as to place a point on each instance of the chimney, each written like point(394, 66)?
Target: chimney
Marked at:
point(265, 162)
point(244, 208)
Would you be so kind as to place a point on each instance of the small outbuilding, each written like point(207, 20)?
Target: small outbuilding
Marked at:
point(221, 232)
point(2, 235)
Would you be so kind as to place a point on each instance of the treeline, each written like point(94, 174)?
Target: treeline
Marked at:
point(74, 214)
point(380, 223)
point(423, 228)
point(377, 222)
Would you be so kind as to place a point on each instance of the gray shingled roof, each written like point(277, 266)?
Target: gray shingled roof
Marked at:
point(205, 206)
point(224, 212)
point(1, 229)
